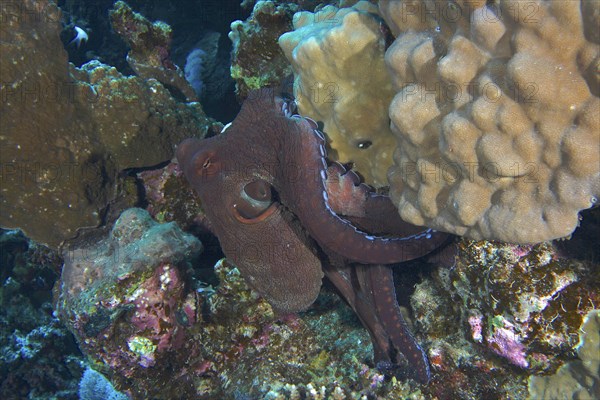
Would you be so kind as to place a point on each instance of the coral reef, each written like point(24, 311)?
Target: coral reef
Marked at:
point(578, 379)
point(39, 358)
point(257, 61)
point(141, 319)
point(126, 301)
point(341, 80)
point(67, 132)
point(507, 321)
point(496, 115)
point(514, 310)
point(150, 44)
point(324, 352)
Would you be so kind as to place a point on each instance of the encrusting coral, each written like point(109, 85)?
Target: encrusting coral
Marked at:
point(341, 80)
point(257, 61)
point(580, 378)
point(150, 44)
point(66, 132)
point(496, 115)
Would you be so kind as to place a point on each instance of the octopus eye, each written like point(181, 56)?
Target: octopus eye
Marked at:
point(255, 203)
point(206, 163)
point(364, 144)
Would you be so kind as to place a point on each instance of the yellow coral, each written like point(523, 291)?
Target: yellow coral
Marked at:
point(341, 80)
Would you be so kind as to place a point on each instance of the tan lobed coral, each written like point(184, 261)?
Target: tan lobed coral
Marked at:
point(66, 132)
point(340, 79)
point(496, 115)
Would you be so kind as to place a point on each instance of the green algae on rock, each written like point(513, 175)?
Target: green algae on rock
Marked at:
point(257, 60)
point(66, 132)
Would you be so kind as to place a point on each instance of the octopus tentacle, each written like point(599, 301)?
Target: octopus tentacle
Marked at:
point(367, 209)
point(386, 307)
point(330, 230)
point(361, 303)
point(371, 294)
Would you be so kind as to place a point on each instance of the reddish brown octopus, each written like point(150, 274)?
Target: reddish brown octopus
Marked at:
point(285, 217)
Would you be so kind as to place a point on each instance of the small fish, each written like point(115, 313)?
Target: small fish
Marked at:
point(80, 36)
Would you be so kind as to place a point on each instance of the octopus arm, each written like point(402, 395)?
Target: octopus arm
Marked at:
point(379, 283)
point(307, 197)
point(369, 290)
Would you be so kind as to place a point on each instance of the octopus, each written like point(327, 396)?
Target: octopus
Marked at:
point(287, 218)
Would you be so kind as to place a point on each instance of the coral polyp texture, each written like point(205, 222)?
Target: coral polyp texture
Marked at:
point(341, 80)
point(496, 115)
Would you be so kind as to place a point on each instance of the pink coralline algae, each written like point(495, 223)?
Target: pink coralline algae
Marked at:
point(153, 302)
point(170, 198)
point(506, 343)
point(125, 299)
